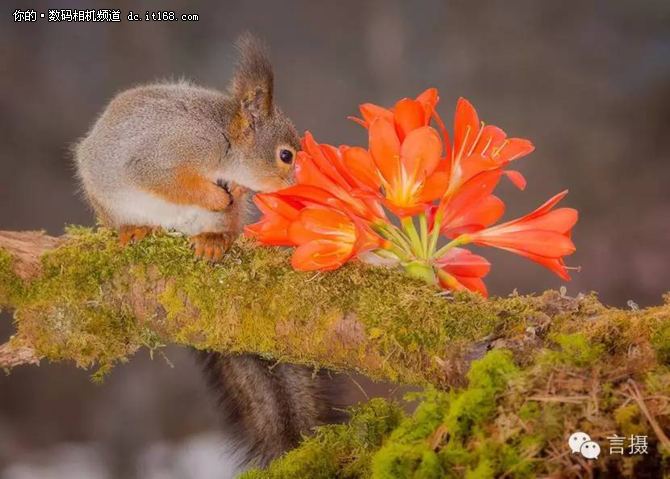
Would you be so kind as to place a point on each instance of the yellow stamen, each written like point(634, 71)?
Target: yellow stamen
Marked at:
point(486, 147)
point(496, 152)
point(465, 140)
point(479, 135)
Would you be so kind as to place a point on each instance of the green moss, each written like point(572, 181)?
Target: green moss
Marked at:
point(251, 301)
point(11, 287)
point(413, 450)
point(630, 421)
point(575, 350)
point(660, 341)
point(340, 450)
point(530, 411)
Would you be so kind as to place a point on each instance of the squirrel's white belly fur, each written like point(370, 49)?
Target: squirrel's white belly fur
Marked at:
point(133, 206)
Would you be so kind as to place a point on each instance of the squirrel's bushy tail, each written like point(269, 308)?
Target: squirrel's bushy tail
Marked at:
point(267, 407)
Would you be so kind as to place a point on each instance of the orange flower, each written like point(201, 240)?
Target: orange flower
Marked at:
point(472, 207)
point(542, 236)
point(278, 214)
point(327, 238)
point(479, 148)
point(401, 174)
point(460, 270)
point(322, 166)
point(335, 211)
point(406, 116)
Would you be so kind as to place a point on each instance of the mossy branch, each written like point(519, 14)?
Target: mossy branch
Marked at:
point(554, 364)
point(84, 297)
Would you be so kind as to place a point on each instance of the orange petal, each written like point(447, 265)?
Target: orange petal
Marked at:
point(322, 161)
point(308, 174)
point(318, 223)
point(420, 152)
point(490, 139)
point(513, 149)
point(557, 265)
point(299, 235)
point(516, 178)
point(402, 211)
point(548, 205)
point(554, 264)
point(434, 187)
point(366, 239)
point(320, 255)
point(475, 285)
point(445, 137)
point(473, 165)
point(371, 112)
point(542, 210)
point(358, 120)
point(560, 221)
point(361, 165)
point(428, 100)
point(408, 116)
point(466, 127)
point(481, 215)
point(540, 243)
point(462, 262)
point(335, 157)
point(471, 193)
point(309, 193)
point(270, 231)
point(274, 203)
point(385, 148)
point(328, 222)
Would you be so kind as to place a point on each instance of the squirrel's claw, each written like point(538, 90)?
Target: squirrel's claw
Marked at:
point(212, 246)
point(234, 190)
point(132, 234)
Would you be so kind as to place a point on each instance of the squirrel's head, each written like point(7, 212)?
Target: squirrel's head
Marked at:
point(266, 139)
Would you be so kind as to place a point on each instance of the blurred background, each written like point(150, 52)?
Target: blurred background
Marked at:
point(587, 82)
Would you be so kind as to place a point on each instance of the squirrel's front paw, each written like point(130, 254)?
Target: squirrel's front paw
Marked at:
point(232, 189)
point(237, 190)
point(131, 233)
point(212, 246)
point(219, 200)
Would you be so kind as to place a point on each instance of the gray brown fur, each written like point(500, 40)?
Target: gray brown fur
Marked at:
point(147, 135)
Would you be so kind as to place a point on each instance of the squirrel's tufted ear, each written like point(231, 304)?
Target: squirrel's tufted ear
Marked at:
point(252, 85)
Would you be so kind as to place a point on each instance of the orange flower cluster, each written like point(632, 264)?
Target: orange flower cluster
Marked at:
point(345, 198)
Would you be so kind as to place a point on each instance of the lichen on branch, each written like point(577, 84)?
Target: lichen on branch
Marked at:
point(91, 300)
point(96, 302)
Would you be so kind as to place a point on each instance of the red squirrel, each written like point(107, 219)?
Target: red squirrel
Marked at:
point(178, 156)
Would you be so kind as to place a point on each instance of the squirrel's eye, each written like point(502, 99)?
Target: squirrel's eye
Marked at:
point(286, 156)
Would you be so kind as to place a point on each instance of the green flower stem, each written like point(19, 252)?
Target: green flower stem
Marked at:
point(394, 252)
point(434, 234)
point(423, 223)
point(394, 235)
point(420, 270)
point(463, 239)
point(387, 253)
point(409, 228)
